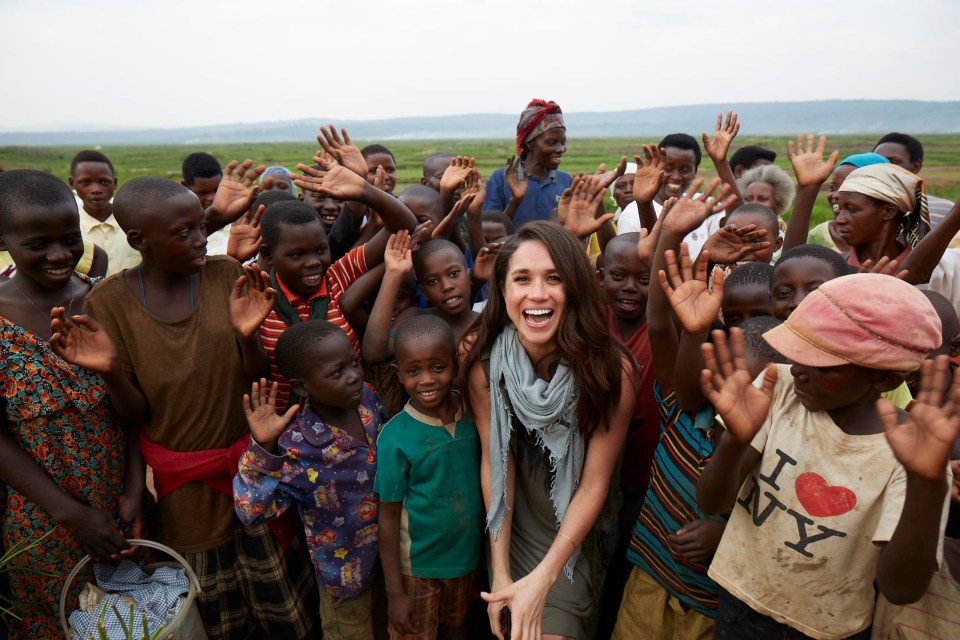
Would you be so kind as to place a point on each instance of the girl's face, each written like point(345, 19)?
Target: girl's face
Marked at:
point(44, 242)
point(762, 193)
point(623, 190)
point(833, 189)
point(389, 165)
point(794, 280)
point(548, 148)
point(860, 220)
point(535, 297)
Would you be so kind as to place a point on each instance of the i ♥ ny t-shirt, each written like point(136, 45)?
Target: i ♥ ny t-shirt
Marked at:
point(801, 542)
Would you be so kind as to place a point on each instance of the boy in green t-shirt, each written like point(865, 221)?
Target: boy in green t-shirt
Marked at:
point(428, 480)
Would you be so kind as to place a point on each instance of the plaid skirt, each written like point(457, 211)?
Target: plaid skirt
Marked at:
point(252, 586)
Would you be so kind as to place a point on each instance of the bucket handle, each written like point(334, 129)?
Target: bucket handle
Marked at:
point(137, 542)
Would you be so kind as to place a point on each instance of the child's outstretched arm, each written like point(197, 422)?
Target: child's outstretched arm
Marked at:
point(717, 147)
point(474, 185)
point(449, 227)
point(259, 493)
point(247, 313)
point(351, 303)
point(377, 346)
point(922, 444)
point(925, 257)
point(743, 407)
point(811, 171)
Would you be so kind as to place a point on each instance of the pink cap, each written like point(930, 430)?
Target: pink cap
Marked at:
point(871, 320)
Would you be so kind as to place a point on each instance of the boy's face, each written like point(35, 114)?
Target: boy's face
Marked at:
point(679, 172)
point(334, 377)
point(44, 242)
point(762, 193)
point(625, 281)
point(828, 388)
point(301, 257)
point(174, 237)
point(744, 302)
point(623, 190)
point(426, 368)
point(423, 209)
point(762, 222)
point(547, 149)
point(389, 170)
point(205, 189)
point(445, 282)
point(327, 208)
point(794, 280)
point(94, 183)
point(433, 172)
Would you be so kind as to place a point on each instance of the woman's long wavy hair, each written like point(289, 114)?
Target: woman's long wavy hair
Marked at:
point(584, 342)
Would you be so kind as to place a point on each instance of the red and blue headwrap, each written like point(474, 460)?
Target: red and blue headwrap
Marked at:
point(538, 117)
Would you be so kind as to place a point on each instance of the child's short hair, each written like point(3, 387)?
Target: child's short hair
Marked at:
point(750, 273)
point(374, 149)
point(630, 238)
point(200, 165)
point(829, 256)
point(431, 247)
point(29, 187)
point(437, 157)
point(424, 326)
point(291, 212)
point(748, 156)
point(421, 192)
point(753, 330)
point(136, 199)
point(499, 217)
point(89, 155)
point(683, 141)
point(271, 197)
point(761, 210)
point(911, 144)
point(297, 344)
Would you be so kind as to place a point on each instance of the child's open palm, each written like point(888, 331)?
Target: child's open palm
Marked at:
point(728, 387)
point(456, 174)
point(449, 223)
point(730, 244)
point(724, 133)
point(398, 257)
point(689, 212)
point(586, 198)
point(334, 181)
point(922, 443)
point(808, 164)
point(245, 238)
point(694, 302)
point(342, 149)
point(486, 259)
point(82, 341)
point(237, 191)
point(248, 311)
point(266, 425)
point(649, 177)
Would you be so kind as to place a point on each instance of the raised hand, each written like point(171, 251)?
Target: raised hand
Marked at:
point(342, 149)
point(398, 256)
point(473, 185)
point(885, 266)
point(727, 384)
point(266, 425)
point(731, 244)
point(688, 212)
point(923, 442)
point(605, 177)
point(694, 302)
point(247, 312)
point(82, 341)
point(452, 219)
point(455, 175)
point(245, 238)
point(333, 181)
point(581, 218)
point(421, 235)
point(517, 185)
point(486, 258)
point(237, 190)
point(808, 164)
point(724, 133)
point(650, 173)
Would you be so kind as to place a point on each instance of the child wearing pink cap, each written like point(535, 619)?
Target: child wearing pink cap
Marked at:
point(830, 489)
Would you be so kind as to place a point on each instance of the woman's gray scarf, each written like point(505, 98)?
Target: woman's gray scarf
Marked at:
point(544, 408)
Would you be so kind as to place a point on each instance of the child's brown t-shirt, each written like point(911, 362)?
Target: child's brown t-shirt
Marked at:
point(191, 374)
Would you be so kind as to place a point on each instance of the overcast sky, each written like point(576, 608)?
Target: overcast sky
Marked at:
point(125, 63)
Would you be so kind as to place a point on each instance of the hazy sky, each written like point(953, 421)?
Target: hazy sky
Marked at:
point(127, 63)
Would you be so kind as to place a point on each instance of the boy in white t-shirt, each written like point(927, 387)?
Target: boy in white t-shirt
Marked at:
point(831, 490)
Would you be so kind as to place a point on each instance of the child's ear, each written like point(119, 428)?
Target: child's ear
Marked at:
point(297, 388)
point(136, 240)
point(954, 344)
point(70, 181)
point(889, 380)
point(778, 244)
point(423, 181)
point(300, 196)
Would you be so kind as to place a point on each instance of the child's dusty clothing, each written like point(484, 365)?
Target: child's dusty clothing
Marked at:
point(434, 470)
point(329, 477)
point(812, 513)
point(737, 621)
point(650, 611)
point(435, 602)
point(339, 276)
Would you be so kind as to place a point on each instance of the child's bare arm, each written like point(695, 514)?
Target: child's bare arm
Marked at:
point(922, 444)
point(351, 303)
point(717, 147)
point(247, 312)
point(811, 171)
point(449, 227)
point(398, 262)
point(474, 186)
point(728, 387)
point(398, 604)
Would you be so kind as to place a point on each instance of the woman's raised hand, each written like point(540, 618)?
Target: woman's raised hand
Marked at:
point(808, 164)
point(724, 133)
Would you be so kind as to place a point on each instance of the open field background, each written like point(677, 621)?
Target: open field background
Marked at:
point(941, 167)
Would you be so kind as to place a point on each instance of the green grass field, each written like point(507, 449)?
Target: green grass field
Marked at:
point(941, 164)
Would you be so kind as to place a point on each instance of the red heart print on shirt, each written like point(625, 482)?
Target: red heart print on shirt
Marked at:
point(822, 500)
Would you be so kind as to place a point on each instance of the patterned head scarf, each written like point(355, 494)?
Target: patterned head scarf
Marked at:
point(538, 117)
point(897, 186)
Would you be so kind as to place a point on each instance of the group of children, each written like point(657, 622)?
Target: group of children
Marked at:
point(278, 353)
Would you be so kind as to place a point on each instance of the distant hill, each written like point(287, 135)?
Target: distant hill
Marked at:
point(761, 118)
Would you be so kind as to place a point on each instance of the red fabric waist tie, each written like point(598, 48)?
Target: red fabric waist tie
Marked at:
point(213, 467)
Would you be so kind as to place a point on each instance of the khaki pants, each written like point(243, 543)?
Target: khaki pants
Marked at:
point(346, 618)
point(649, 612)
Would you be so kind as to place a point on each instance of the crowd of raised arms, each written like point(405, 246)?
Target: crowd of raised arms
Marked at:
point(485, 406)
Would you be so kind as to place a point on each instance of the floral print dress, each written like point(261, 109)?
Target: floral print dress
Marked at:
point(61, 417)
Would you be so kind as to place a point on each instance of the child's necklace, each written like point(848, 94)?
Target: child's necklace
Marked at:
point(143, 292)
point(46, 316)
